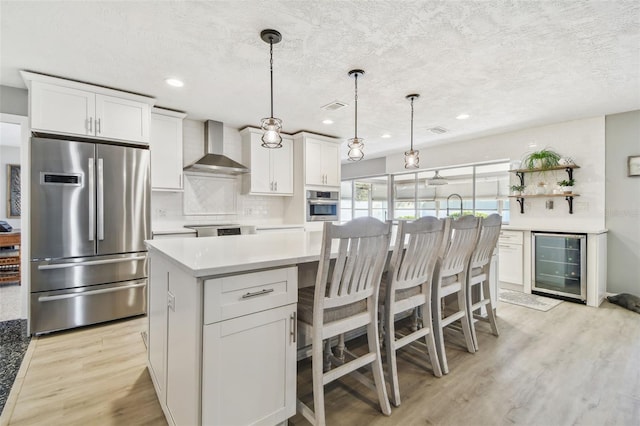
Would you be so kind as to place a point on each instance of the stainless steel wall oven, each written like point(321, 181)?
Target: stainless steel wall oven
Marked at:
point(322, 205)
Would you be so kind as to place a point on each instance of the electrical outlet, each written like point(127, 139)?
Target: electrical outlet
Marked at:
point(162, 213)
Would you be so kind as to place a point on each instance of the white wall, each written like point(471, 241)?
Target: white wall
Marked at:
point(8, 155)
point(623, 204)
point(582, 140)
point(169, 206)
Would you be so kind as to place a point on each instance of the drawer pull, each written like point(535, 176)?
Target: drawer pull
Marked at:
point(257, 293)
point(294, 326)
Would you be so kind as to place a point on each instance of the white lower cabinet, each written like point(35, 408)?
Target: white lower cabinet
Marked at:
point(249, 369)
point(511, 265)
point(222, 351)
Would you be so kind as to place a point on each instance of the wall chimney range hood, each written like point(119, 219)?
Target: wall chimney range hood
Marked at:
point(214, 160)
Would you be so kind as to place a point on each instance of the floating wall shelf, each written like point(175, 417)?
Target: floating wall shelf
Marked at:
point(521, 172)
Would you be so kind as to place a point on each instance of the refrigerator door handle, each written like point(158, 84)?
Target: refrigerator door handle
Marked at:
point(89, 263)
point(92, 201)
point(100, 199)
point(89, 293)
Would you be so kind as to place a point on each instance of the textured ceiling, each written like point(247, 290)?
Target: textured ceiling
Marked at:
point(510, 65)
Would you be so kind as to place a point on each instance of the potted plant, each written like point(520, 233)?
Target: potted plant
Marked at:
point(543, 159)
point(567, 185)
point(517, 189)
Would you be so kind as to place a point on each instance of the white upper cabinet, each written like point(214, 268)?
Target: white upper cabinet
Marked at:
point(271, 170)
point(122, 119)
point(62, 109)
point(322, 162)
point(166, 150)
point(71, 108)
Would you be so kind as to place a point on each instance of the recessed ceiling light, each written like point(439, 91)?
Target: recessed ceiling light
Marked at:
point(386, 136)
point(463, 116)
point(174, 82)
point(327, 121)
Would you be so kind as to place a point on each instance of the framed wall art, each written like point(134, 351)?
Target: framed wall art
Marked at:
point(13, 190)
point(634, 165)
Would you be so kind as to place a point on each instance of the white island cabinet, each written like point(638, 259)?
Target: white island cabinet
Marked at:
point(222, 328)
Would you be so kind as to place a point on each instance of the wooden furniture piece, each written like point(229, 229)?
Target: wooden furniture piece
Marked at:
point(451, 279)
point(407, 286)
point(479, 272)
point(9, 257)
point(345, 297)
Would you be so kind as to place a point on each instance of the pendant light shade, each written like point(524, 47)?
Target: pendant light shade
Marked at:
point(412, 157)
point(356, 144)
point(271, 126)
point(437, 180)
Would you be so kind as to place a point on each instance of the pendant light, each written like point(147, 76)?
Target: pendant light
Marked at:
point(437, 180)
point(356, 144)
point(271, 126)
point(412, 157)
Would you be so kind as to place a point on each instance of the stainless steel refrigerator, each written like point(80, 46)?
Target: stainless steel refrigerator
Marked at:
point(90, 205)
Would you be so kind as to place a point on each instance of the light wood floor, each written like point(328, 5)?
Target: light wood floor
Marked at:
point(571, 365)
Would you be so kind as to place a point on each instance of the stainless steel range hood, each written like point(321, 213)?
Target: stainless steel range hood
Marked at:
point(214, 160)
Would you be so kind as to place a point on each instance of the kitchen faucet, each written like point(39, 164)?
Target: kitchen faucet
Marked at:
point(454, 195)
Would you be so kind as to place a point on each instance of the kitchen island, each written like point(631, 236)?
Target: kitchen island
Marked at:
point(222, 326)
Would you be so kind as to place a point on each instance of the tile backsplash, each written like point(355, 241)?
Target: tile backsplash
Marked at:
point(170, 207)
point(209, 198)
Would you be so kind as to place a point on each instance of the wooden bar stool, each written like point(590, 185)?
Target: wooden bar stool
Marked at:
point(345, 298)
point(479, 273)
point(407, 287)
point(450, 278)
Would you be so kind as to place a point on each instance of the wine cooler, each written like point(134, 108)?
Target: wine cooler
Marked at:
point(559, 266)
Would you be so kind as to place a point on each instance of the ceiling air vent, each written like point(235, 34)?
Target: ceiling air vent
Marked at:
point(333, 106)
point(437, 130)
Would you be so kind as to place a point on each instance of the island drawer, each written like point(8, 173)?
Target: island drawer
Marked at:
point(237, 295)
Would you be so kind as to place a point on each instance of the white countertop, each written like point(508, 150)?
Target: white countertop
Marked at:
point(553, 229)
point(210, 256)
point(177, 227)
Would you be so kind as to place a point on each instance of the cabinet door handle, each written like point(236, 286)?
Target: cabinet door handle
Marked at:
point(276, 185)
point(90, 124)
point(98, 126)
point(257, 293)
point(89, 293)
point(171, 301)
point(294, 326)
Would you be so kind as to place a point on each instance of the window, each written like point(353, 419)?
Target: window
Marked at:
point(477, 189)
point(365, 197)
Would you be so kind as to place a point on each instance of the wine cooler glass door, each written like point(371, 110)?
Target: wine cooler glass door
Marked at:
point(560, 265)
